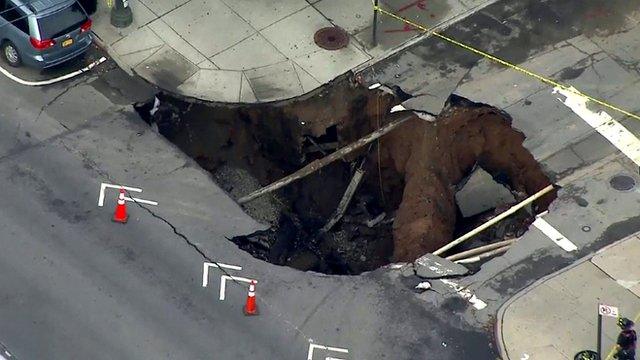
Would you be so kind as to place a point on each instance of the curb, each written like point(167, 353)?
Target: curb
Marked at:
point(112, 55)
point(502, 310)
point(354, 70)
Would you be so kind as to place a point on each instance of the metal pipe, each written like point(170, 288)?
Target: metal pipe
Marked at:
point(480, 249)
point(495, 220)
point(319, 164)
point(485, 255)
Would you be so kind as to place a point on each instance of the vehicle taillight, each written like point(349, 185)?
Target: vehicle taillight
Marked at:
point(86, 26)
point(41, 44)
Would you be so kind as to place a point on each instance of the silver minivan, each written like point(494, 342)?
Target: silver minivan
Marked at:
point(43, 33)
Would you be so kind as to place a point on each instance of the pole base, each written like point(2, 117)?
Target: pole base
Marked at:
point(121, 17)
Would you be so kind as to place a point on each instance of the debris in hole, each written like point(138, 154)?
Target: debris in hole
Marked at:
point(407, 270)
point(480, 192)
point(403, 206)
point(425, 285)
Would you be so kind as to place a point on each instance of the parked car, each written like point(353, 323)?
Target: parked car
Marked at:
point(43, 33)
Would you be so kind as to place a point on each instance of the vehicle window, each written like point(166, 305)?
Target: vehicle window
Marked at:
point(62, 22)
point(16, 17)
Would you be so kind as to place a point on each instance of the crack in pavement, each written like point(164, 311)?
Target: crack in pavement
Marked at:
point(174, 229)
point(57, 97)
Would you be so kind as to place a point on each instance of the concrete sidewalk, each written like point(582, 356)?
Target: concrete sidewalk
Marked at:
point(259, 50)
point(557, 316)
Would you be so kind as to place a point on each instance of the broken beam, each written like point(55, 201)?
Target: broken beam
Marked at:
point(344, 202)
point(495, 220)
point(480, 250)
point(319, 164)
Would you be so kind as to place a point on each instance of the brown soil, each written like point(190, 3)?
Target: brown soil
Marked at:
point(411, 173)
point(434, 157)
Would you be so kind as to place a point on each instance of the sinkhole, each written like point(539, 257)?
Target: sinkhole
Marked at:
point(403, 195)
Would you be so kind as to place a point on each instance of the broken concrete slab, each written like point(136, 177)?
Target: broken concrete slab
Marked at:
point(431, 266)
point(482, 193)
point(408, 270)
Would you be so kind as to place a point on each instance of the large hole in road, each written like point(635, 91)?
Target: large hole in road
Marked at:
point(414, 195)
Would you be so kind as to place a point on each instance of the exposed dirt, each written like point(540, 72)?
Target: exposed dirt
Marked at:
point(405, 205)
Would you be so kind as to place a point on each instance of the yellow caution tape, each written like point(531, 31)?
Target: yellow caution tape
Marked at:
point(506, 63)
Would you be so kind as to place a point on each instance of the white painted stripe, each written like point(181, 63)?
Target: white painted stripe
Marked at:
point(603, 123)
point(207, 265)
point(312, 347)
point(104, 186)
point(554, 235)
point(141, 201)
point(52, 81)
point(223, 283)
point(466, 294)
point(337, 349)
point(332, 358)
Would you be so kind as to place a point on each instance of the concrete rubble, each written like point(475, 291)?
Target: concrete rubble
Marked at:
point(431, 266)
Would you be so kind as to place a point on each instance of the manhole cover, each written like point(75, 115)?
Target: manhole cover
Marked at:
point(331, 38)
point(622, 182)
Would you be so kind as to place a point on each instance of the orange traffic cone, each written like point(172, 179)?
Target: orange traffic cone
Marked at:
point(120, 215)
point(250, 308)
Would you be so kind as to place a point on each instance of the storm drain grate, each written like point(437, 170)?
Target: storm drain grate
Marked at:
point(331, 38)
point(622, 183)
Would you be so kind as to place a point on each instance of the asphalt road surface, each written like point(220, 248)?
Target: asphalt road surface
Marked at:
point(74, 285)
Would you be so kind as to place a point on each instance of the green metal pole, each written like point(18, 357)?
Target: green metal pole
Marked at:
point(599, 349)
point(121, 15)
point(375, 23)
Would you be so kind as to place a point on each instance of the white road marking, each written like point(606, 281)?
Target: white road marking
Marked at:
point(6, 353)
point(52, 81)
point(223, 283)
point(554, 235)
point(466, 294)
point(524, 356)
point(603, 123)
point(104, 186)
point(141, 201)
point(312, 347)
point(332, 358)
point(207, 265)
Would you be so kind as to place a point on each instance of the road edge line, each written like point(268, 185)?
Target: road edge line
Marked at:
point(9, 75)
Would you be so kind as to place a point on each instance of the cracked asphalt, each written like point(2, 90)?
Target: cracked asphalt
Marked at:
point(74, 285)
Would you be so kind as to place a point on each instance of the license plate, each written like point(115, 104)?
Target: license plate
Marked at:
point(67, 42)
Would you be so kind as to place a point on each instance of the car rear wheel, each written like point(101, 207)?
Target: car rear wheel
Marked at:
point(11, 54)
